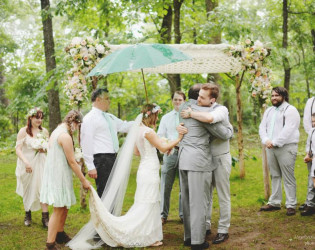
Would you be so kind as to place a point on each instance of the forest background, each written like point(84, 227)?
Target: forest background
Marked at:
point(33, 72)
point(34, 64)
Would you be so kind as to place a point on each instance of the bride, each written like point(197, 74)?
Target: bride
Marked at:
point(141, 226)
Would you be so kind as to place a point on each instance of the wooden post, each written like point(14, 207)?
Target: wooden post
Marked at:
point(240, 125)
point(265, 167)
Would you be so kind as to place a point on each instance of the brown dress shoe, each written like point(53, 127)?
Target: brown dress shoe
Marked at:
point(28, 218)
point(164, 220)
point(45, 219)
point(290, 211)
point(269, 207)
point(308, 211)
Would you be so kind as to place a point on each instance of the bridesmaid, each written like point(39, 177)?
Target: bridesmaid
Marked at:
point(30, 165)
point(57, 188)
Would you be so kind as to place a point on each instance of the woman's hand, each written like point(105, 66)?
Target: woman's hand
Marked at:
point(86, 184)
point(41, 150)
point(28, 168)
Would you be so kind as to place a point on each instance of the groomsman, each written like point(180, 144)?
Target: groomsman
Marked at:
point(99, 140)
point(308, 208)
point(279, 131)
point(196, 170)
point(221, 158)
point(167, 129)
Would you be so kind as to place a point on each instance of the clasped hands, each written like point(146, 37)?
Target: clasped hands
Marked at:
point(269, 144)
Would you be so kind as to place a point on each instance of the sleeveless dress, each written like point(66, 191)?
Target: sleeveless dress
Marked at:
point(29, 184)
point(141, 226)
point(57, 187)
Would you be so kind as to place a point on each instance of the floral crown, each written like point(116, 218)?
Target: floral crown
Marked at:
point(33, 112)
point(155, 109)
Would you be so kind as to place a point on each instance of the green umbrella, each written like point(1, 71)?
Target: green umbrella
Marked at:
point(138, 57)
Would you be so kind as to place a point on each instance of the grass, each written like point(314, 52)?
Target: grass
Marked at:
point(249, 229)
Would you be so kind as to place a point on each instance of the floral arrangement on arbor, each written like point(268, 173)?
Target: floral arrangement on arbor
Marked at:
point(85, 53)
point(251, 56)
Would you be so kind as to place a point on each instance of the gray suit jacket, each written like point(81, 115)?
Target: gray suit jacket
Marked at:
point(194, 153)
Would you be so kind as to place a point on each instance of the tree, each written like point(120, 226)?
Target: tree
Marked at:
point(49, 45)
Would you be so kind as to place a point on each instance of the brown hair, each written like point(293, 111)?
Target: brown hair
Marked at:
point(212, 88)
point(38, 114)
point(73, 116)
point(149, 118)
point(179, 93)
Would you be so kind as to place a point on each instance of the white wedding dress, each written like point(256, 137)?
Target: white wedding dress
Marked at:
point(141, 226)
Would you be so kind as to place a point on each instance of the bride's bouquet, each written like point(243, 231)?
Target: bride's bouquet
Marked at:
point(40, 143)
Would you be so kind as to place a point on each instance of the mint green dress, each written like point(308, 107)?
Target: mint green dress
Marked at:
point(57, 184)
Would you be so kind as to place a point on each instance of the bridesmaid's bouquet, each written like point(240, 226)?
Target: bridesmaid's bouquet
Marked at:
point(40, 143)
point(78, 154)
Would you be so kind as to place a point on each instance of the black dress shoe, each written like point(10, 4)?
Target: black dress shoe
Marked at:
point(302, 207)
point(187, 242)
point(96, 237)
point(208, 232)
point(308, 211)
point(220, 238)
point(202, 246)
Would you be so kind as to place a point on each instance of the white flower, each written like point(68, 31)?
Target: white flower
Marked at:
point(78, 154)
point(248, 41)
point(76, 40)
point(100, 49)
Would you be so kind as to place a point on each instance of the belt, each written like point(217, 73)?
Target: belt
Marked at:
point(105, 154)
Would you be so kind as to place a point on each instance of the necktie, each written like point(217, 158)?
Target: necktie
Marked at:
point(272, 123)
point(112, 132)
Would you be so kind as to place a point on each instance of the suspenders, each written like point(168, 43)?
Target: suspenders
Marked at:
point(283, 119)
point(310, 153)
point(312, 105)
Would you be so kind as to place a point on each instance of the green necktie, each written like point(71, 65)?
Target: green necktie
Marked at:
point(112, 132)
point(272, 123)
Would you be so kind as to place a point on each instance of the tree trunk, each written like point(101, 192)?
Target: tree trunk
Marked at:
point(286, 63)
point(166, 27)
point(313, 38)
point(3, 100)
point(265, 167)
point(306, 74)
point(240, 125)
point(215, 37)
point(53, 94)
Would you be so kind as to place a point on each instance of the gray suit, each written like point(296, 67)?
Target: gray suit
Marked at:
point(221, 158)
point(195, 169)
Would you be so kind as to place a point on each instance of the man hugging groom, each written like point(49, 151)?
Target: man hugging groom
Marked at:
point(197, 166)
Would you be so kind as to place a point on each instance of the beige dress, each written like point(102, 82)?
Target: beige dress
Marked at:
point(29, 184)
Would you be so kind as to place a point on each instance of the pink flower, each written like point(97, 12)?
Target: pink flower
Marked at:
point(83, 42)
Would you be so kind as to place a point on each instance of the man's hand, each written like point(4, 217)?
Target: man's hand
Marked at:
point(186, 113)
point(181, 129)
point(269, 144)
point(92, 173)
point(307, 158)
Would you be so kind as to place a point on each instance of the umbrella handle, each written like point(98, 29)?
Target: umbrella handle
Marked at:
point(145, 87)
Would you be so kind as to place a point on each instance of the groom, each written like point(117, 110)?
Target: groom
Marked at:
point(99, 139)
point(196, 170)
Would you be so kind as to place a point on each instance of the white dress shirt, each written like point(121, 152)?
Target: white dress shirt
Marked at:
point(282, 135)
point(168, 125)
point(96, 137)
point(219, 113)
point(307, 118)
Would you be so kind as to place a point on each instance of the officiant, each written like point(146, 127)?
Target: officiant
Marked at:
point(99, 140)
